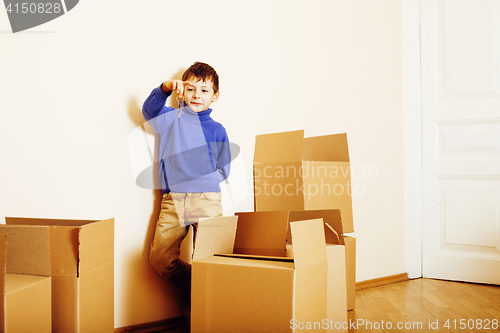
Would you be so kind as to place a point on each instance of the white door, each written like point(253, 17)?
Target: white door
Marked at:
point(460, 66)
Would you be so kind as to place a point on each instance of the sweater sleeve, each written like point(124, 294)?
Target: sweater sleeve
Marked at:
point(154, 106)
point(224, 155)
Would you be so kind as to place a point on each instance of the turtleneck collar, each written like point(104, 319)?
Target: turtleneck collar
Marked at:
point(203, 115)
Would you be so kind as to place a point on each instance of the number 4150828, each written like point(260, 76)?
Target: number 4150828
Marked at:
point(31, 7)
point(484, 324)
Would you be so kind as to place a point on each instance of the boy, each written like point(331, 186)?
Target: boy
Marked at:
point(194, 159)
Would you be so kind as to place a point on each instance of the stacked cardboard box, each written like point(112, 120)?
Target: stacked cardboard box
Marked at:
point(81, 266)
point(288, 266)
point(25, 283)
point(294, 173)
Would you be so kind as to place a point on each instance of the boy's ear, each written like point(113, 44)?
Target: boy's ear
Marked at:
point(216, 97)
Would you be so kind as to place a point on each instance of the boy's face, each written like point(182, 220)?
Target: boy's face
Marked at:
point(200, 94)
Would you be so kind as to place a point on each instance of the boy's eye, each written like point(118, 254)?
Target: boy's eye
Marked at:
point(205, 91)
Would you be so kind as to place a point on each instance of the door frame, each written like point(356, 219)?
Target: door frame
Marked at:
point(412, 110)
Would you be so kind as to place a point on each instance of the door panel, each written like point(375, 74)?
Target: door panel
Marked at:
point(461, 139)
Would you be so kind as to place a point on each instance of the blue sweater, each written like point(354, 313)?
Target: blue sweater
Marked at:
point(194, 149)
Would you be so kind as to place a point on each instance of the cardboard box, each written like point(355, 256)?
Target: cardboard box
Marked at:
point(334, 233)
point(296, 173)
point(262, 233)
point(25, 284)
point(336, 288)
point(263, 229)
point(336, 305)
point(82, 271)
point(254, 293)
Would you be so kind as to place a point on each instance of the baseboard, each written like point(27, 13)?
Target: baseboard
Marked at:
point(382, 281)
point(179, 324)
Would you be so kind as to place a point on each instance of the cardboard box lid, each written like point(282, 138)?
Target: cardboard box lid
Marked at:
point(261, 233)
point(28, 250)
point(76, 246)
point(334, 229)
point(332, 148)
point(215, 235)
point(96, 244)
point(292, 146)
point(279, 147)
point(308, 240)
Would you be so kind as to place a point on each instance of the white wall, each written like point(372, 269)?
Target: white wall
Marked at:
point(71, 89)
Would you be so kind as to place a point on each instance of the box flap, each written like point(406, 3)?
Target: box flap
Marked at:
point(279, 147)
point(96, 244)
point(256, 257)
point(261, 233)
point(278, 186)
point(28, 250)
point(215, 235)
point(326, 148)
point(331, 218)
point(308, 239)
point(63, 250)
point(310, 260)
point(45, 221)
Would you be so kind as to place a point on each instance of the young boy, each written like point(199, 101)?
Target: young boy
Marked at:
point(194, 159)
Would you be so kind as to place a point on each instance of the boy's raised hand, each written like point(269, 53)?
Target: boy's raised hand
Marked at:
point(175, 85)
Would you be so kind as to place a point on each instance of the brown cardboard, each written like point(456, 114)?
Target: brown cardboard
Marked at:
point(336, 288)
point(215, 235)
point(25, 299)
point(81, 263)
point(296, 173)
point(262, 294)
point(266, 228)
point(350, 266)
point(262, 233)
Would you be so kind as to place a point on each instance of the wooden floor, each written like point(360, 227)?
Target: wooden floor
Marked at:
point(418, 304)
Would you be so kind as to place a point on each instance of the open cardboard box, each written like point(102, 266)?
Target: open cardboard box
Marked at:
point(296, 173)
point(260, 232)
point(25, 283)
point(82, 271)
point(255, 293)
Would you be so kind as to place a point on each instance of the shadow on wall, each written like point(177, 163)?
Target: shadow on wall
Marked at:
point(142, 279)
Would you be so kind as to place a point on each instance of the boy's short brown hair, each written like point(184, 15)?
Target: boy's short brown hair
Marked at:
point(202, 72)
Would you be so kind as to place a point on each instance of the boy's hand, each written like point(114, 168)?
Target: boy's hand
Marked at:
point(175, 85)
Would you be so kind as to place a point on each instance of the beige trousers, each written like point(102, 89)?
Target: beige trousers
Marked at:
point(178, 212)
